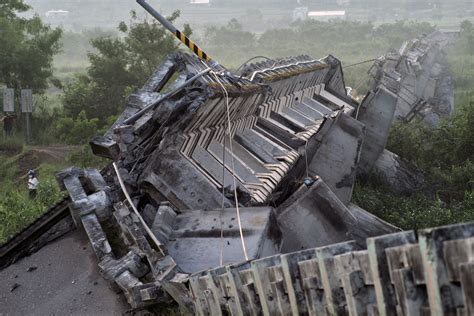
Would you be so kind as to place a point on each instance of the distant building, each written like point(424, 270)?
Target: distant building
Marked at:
point(57, 17)
point(327, 15)
point(57, 14)
point(343, 2)
point(200, 1)
point(300, 13)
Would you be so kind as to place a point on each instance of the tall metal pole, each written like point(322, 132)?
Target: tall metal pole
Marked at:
point(28, 128)
point(27, 108)
point(180, 35)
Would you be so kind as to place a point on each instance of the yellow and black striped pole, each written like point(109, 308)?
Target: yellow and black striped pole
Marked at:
point(192, 46)
point(180, 35)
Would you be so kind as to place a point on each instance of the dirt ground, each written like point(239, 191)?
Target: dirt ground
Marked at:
point(36, 155)
point(62, 278)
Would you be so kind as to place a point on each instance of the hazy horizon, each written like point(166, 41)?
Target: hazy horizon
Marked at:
point(256, 15)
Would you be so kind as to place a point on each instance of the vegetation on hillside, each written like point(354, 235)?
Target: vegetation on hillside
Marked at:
point(119, 66)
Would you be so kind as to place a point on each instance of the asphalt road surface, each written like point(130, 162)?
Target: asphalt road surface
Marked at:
point(60, 279)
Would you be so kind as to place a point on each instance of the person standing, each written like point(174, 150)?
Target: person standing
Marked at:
point(8, 122)
point(32, 184)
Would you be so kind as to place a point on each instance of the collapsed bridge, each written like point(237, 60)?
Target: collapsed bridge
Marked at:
point(230, 193)
point(227, 169)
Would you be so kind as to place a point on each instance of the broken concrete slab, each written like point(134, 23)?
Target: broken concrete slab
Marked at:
point(196, 242)
point(317, 217)
point(399, 175)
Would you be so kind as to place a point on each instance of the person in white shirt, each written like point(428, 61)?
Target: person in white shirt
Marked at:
point(32, 184)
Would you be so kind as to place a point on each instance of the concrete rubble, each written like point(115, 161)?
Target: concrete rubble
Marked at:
point(418, 74)
point(232, 194)
point(425, 83)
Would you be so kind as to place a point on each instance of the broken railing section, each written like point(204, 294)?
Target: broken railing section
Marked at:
point(397, 274)
point(376, 112)
point(53, 224)
point(409, 83)
point(425, 85)
point(91, 208)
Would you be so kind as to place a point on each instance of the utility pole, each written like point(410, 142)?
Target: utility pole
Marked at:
point(27, 108)
point(8, 107)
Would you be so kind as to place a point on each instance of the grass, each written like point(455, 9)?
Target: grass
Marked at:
point(18, 210)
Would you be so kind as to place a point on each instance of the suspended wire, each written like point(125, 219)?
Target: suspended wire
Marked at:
point(229, 131)
point(142, 221)
point(306, 158)
point(221, 257)
point(221, 260)
point(253, 58)
point(362, 80)
point(360, 63)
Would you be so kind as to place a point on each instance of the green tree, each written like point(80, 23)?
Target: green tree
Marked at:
point(8, 8)
point(119, 65)
point(230, 44)
point(467, 33)
point(77, 131)
point(27, 48)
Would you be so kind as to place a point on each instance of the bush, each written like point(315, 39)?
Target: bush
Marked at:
point(412, 212)
point(84, 158)
point(76, 131)
point(445, 153)
point(46, 114)
point(118, 64)
point(11, 147)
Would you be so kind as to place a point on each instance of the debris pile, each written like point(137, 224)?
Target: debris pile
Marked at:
point(418, 74)
point(216, 168)
point(231, 193)
point(426, 85)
